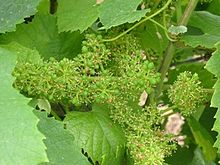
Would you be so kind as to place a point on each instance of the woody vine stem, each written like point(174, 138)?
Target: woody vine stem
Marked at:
point(168, 56)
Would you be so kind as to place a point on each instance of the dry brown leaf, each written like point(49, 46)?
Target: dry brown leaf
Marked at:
point(162, 107)
point(143, 99)
point(180, 140)
point(99, 1)
point(142, 6)
point(174, 124)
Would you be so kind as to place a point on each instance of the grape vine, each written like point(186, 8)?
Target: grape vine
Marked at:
point(115, 73)
point(110, 82)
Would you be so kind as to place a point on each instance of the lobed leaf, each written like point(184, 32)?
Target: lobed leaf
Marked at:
point(202, 138)
point(13, 12)
point(213, 66)
point(213, 63)
point(99, 137)
point(61, 146)
point(199, 158)
point(42, 34)
point(117, 12)
point(21, 142)
point(24, 54)
point(44, 7)
point(79, 15)
point(213, 7)
point(208, 25)
point(76, 14)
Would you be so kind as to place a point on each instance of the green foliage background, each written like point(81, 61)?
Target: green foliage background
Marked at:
point(72, 73)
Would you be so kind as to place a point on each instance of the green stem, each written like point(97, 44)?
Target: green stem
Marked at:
point(165, 66)
point(162, 27)
point(55, 115)
point(178, 9)
point(137, 24)
point(168, 56)
point(165, 25)
point(158, 24)
point(187, 13)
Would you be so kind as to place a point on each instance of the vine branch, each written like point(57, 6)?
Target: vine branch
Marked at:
point(169, 53)
point(187, 13)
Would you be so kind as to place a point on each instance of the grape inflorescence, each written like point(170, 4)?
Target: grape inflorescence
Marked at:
point(115, 73)
point(96, 75)
point(187, 93)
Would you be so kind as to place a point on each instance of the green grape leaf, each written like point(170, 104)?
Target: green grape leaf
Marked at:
point(213, 7)
point(24, 54)
point(61, 146)
point(99, 137)
point(208, 24)
point(51, 43)
point(191, 155)
point(183, 155)
point(202, 138)
point(44, 7)
point(13, 12)
point(215, 98)
point(76, 15)
point(216, 126)
point(153, 37)
point(21, 142)
point(213, 66)
point(117, 12)
point(204, 20)
point(199, 159)
point(205, 40)
point(213, 63)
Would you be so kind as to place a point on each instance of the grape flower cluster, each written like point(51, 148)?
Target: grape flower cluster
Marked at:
point(116, 73)
point(186, 93)
point(93, 76)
